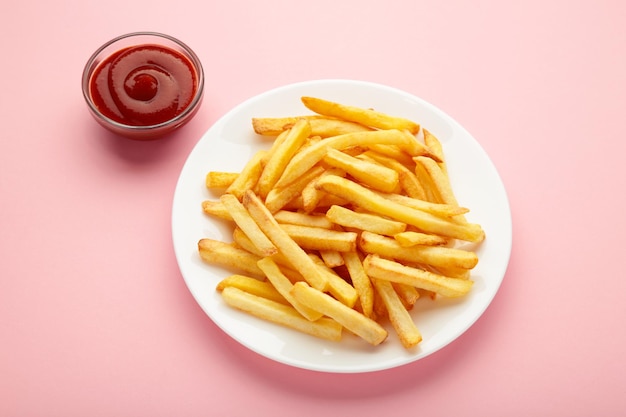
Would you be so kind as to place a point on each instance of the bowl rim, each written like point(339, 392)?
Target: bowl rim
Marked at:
point(90, 67)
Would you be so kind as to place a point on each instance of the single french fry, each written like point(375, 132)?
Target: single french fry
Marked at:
point(274, 126)
point(430, 189)
point(399, 317)
point(253, 286)
point(331, 258)
point(320, 126)
point(296, 256)
point(450, 271)
point(327, 127)
point(247, 224)
point(216, 209)
point(435, 147)
point(316, 238)
point(436, 256)
point(363, 116)
point(364, 221)
point(283, 285)
point(282, 155)
point(281, 314)
point(230, 257)
point(441, 182)
point(277, 143)
point(374, 203)
point(439, 178)
point(302, 219)
point(409, 238)
point(371, 174)
point(407, 293)
point(360, 281)
point(249, 175)
point(220, 179)
point(379, 268)
point(357, 323)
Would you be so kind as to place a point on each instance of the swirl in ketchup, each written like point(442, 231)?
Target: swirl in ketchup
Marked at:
point(144, 85)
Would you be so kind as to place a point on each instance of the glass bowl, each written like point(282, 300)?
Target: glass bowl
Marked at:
point(143, 85)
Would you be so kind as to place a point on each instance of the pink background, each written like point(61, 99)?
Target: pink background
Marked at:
point(95, 318)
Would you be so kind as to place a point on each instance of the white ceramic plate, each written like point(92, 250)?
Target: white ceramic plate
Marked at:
point(230, 142)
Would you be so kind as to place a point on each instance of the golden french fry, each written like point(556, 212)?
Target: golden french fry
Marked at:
point(379, 268)
point(274, 126)
point(229, 256)
point(435, 147)
point(248, 177)
point(357, 323)
point(247, 224)
point(303, 219)
point(364, 221)
point(283, 285)
point(296, 256)
point(331, 258)
point(216, 209)
point(281, 314)
point(430, 189)
point(363, 116)
point(277, 143)
point(399, 317)
point(407, 293)
point(304, 160)
point(371, 174)
point(219, 179)
point(416, 238)
point(320, 126)
point(326, 127)
point(360, 281)
point(437, 256)
point(253, 286)
point(440, 180)
point(374, 203)
point(450, 271)
point(317, 238)
point(281, 156)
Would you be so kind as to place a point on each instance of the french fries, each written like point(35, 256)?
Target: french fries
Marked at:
point(346, 222)
point(275, 312)
point(368, 329)
point(243, 219)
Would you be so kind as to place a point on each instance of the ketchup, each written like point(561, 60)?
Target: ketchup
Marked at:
point(143, 85)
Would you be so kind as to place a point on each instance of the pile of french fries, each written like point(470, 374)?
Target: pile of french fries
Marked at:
point(343, 223)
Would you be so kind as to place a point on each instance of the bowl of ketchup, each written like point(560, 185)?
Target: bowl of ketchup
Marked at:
point(143, 85)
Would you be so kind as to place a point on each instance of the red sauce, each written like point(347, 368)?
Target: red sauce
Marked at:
point(143, 85)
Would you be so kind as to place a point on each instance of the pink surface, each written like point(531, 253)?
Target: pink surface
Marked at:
point(95, 318)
